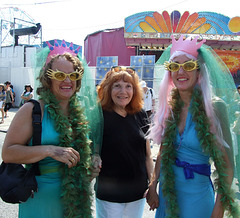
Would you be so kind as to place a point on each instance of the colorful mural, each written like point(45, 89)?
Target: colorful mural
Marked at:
point(207, 23)
point(156, 28)
point(232, 60)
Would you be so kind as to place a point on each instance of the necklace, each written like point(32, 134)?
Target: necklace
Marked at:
point(73, 133)
point(207, 142)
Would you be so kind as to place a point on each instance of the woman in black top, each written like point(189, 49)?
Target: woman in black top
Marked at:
point(126, 154)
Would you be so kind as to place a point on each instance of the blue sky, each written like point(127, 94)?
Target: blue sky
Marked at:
point(73, 20)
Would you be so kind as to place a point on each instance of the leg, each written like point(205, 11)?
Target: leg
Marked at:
point(106, 209)
point(2, 121)
point(6, 108)
point(2, 114)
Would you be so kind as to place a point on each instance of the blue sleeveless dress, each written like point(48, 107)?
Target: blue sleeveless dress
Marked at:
point(195, 195)
point(46, 202)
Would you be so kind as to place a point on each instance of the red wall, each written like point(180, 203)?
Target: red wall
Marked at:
point(107, 43)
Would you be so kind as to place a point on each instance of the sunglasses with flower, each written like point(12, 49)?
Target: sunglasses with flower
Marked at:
point(61, 76)
point(187, 66)
point(116, 69)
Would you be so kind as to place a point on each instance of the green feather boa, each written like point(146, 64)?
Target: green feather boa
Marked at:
point(207, 142)
point(76, 192)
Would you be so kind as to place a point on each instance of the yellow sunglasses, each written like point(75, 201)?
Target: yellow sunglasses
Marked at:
point(187, 66)
point(130, 70)
point(61, 76)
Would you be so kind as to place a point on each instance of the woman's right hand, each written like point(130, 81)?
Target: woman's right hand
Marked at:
point(65, 155)
point(152, 197)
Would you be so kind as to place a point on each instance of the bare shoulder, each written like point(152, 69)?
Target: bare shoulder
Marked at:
point(24, 113)
point(20, 129)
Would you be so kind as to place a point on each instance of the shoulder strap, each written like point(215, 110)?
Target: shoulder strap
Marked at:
point(151, 92)
point(37, 129)
point(36, 122)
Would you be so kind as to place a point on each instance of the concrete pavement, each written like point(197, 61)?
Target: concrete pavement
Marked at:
point(11, 113)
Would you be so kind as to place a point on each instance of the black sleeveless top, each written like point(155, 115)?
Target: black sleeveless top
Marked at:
point(123, 177)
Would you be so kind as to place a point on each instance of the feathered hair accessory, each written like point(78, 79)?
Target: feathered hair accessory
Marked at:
point(61, 49)
point(189, 46)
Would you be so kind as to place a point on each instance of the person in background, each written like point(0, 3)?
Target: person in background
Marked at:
point(2, 100)
point(14, 96)
point(192, 127)
point(26, 95)
point(149, 99)
point(9, 98)
point(126, 154)
point(64, 156)
point(238, 88)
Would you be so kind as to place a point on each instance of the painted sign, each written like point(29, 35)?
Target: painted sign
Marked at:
point(209, 25)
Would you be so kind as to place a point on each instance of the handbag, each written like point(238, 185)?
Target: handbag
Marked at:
point(17, 183)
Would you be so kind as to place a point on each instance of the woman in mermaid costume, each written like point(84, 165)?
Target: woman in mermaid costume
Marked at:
point(192, 127)
point(64, 154)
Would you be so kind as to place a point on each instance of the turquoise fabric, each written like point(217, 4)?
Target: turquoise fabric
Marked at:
point(195, 196)
point(46, 202)
point(22, 102)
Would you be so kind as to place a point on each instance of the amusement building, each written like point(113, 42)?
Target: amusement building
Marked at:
point(146, 35)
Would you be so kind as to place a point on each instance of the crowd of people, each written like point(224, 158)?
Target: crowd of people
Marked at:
point(8, 97)
point(104, 135)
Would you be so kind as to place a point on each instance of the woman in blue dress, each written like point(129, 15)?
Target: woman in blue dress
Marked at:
point(193, 129)
point(64, 154)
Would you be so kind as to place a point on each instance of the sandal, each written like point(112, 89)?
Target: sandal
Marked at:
point(2, 122)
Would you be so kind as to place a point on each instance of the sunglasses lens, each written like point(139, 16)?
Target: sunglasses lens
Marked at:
point(130, 71)
point(74, 76)
point(116, 69)
point(60, 76)
point(173, 67)
point(127, 69)
point(189, 66)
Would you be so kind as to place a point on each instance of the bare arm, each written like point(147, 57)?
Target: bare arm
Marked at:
point(11, 93)
point(153, 105)
point(222, 114)
point(152, 196)
point(26, 97)
point(218, 210)
point(149, 160)
point(19, 134)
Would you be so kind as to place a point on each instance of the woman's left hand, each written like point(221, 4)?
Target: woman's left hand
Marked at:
point(95, 166)
point(152, 197)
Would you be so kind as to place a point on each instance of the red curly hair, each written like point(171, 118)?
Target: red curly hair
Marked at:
point(105, 89)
